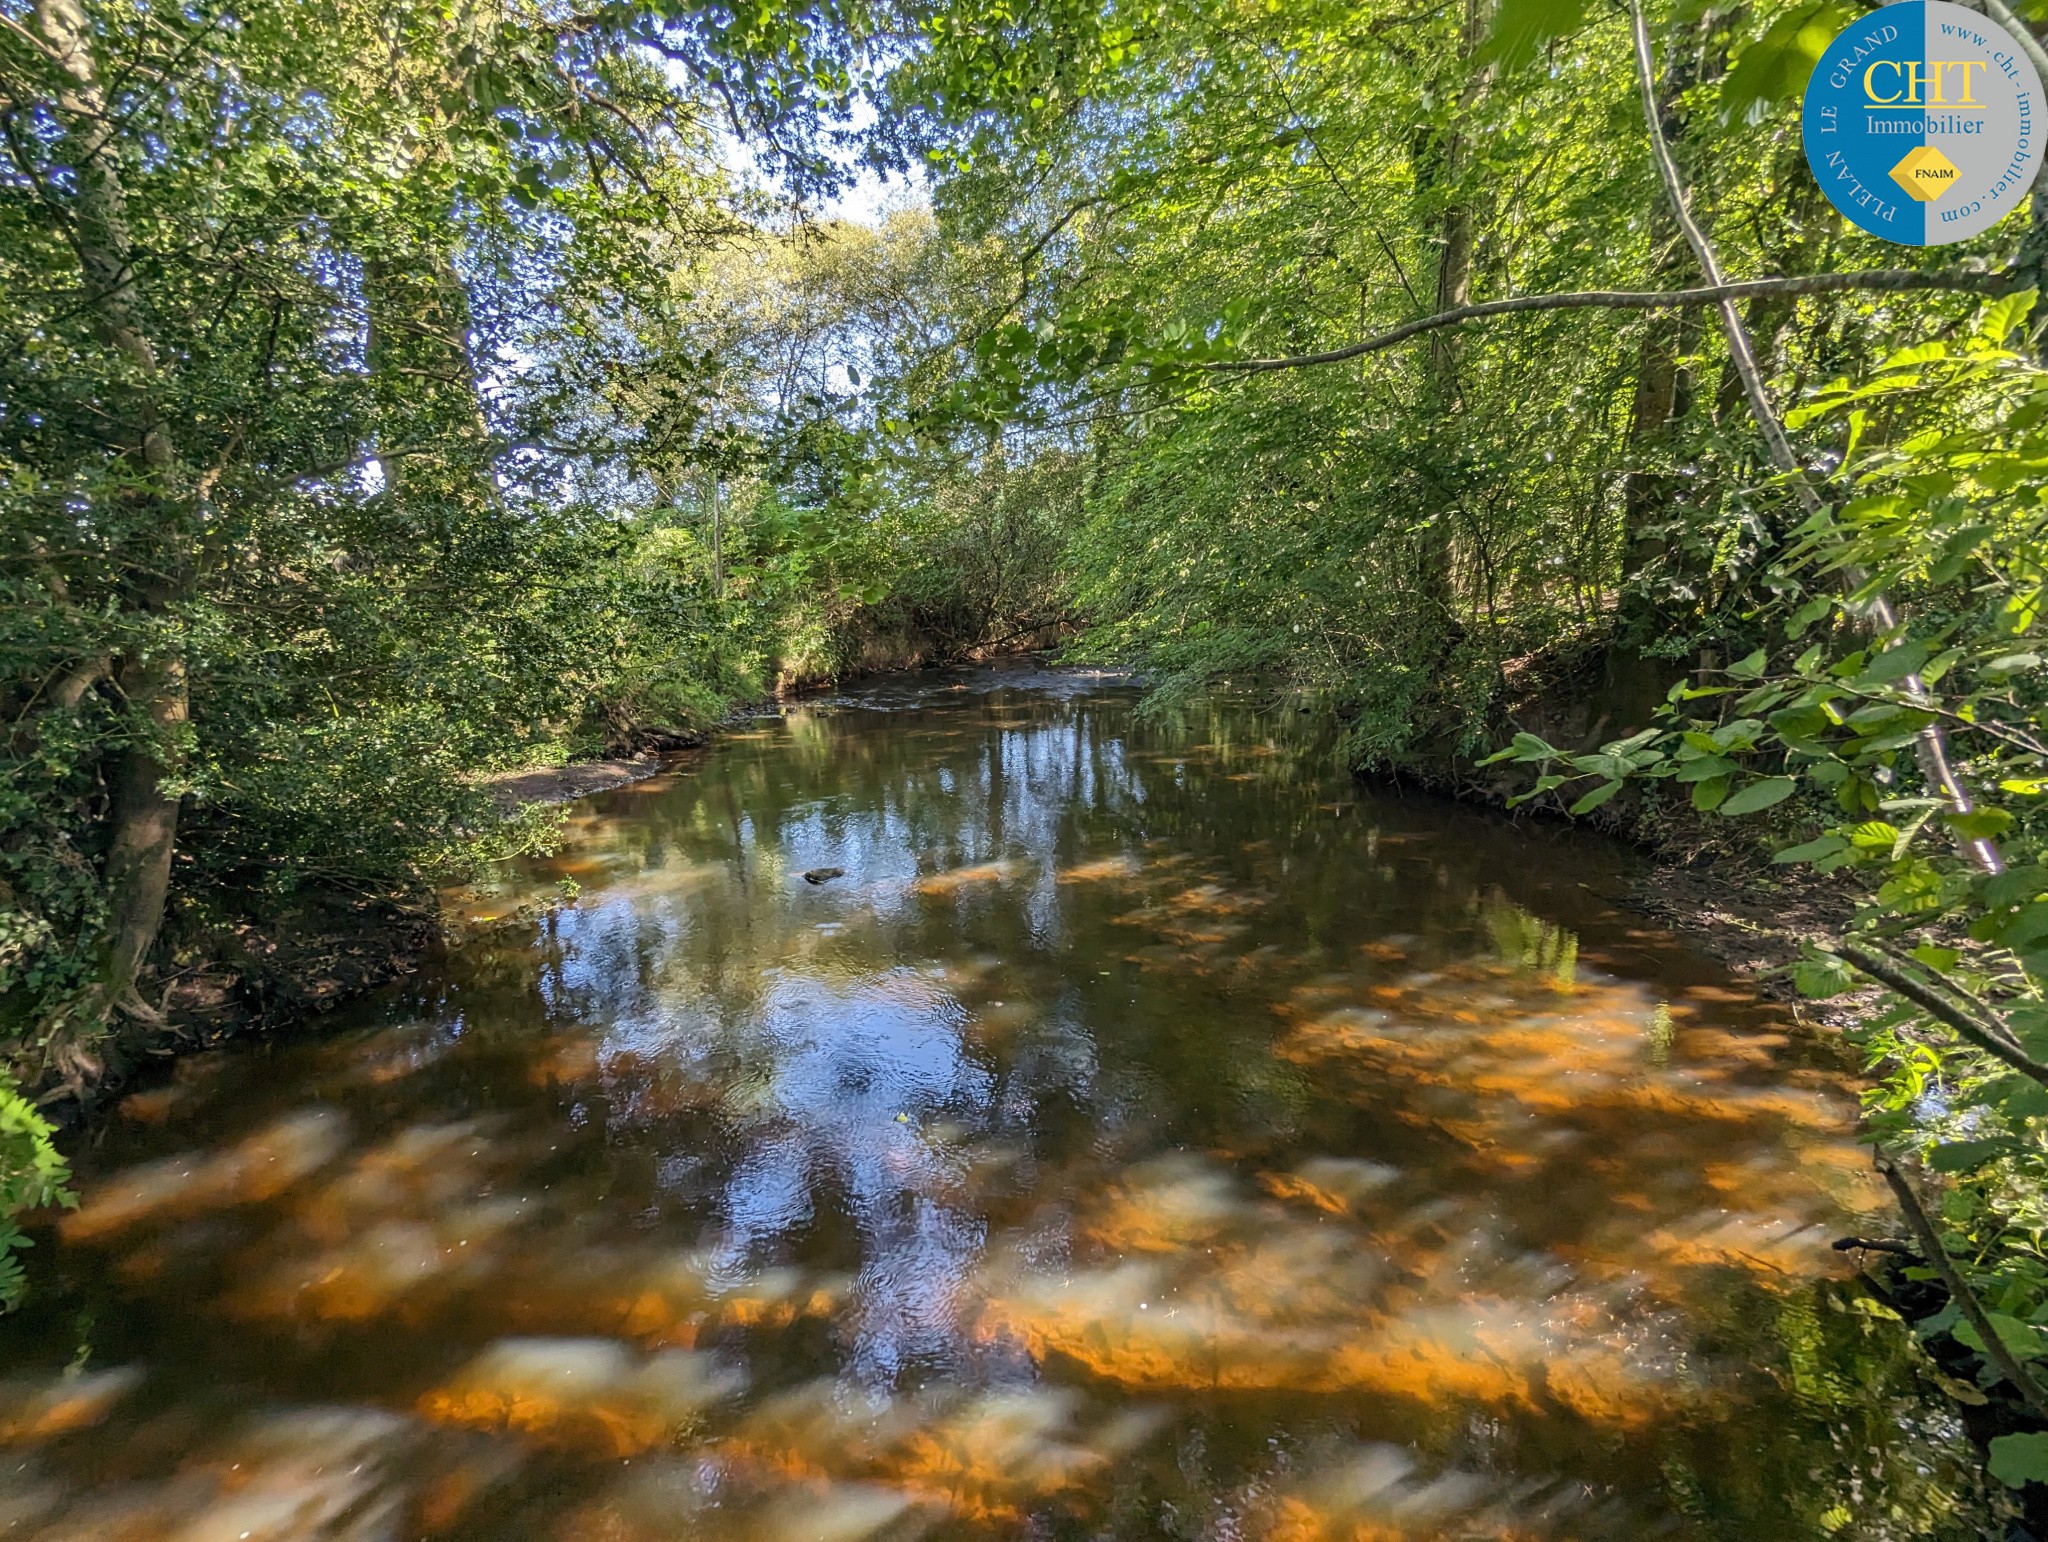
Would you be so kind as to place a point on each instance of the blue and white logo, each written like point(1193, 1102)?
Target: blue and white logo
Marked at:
point(1924, 123)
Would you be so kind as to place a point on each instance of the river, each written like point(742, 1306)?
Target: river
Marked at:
point(1148, 1133)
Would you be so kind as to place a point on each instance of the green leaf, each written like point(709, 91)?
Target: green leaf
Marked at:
point(2029, 925)
point(1543, 784)
point(1962, 1156)
point(1801, 722)
point(1914, 886)
point(1525, 747)
point(2021, 1340)
point(1941, 960)
point(1776, 67)
point(1596, 797)
point(1821, 977)
point(2030, 1026)
point(1738, 735)
point(1706, 766)
point(1804, 617)
point(1956, 553)
point(1894, 664)
point(1707, 796)
point(1750, 668)
point(2016, 1096)
point(2017, 1460)
point(1760, 795)
point(1523, 26)
point(1632, 742)
point(1879, 714)
point(1813, 850)
point(2005, 313)
point(2015, 885)
point(1983, 824)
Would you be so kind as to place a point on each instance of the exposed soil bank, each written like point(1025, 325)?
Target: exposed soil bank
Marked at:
point(514, 790)
point(329, 949)
point(253, 979)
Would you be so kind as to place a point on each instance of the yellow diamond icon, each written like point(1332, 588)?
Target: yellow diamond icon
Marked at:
point(1925, 173)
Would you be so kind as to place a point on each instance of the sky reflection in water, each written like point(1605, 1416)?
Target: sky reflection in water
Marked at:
point(1150, 1135)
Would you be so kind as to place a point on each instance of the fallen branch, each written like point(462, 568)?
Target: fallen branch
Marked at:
point(1882, 280)
point(1965, 1299)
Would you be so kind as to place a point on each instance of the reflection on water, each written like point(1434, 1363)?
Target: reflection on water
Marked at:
point(1149, 1135)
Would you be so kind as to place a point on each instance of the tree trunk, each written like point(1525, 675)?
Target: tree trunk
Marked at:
point(424, 377)
point(1443, 165)
point(144, 814)
point(100, 233)
point(1454, 261)
point(1663, 395)
point(145, 823)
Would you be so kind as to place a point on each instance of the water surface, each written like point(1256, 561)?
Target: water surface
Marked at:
point(1150, 1134)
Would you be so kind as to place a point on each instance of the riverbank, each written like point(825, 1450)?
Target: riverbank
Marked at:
point(327, 948)
point(298, 964)
point(545, 785)
point(302, 961)
point(1710, 879)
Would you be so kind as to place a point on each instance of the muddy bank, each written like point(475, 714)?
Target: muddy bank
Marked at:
point(249, 978)
point(290, 970)
point(514, 790)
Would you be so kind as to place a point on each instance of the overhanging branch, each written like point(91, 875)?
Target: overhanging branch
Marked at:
point(1880, 280)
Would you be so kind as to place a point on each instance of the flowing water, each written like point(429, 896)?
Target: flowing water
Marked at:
point(1149, 1134)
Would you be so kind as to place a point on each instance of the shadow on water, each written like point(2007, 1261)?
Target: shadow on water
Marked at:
point(1149, 1135)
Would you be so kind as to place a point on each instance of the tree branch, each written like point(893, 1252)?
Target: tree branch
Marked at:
point(1992, 1038)
point(1965, 1298)
point(1884, 280)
